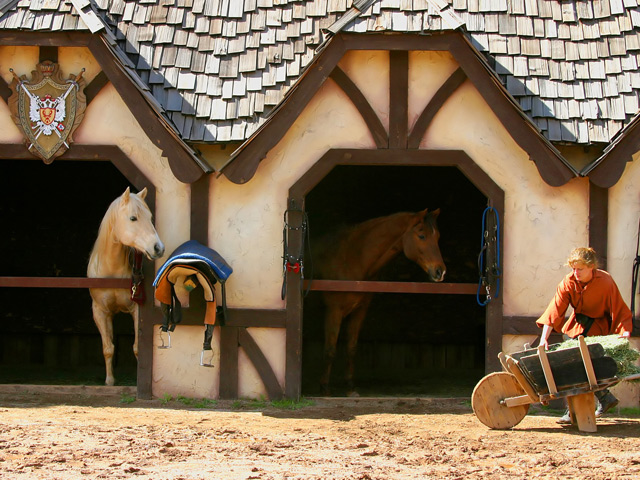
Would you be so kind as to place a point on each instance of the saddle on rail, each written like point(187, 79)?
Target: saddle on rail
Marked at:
point(190, 264)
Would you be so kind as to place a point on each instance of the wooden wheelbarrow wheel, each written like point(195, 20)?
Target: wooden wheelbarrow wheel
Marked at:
point(488, 395)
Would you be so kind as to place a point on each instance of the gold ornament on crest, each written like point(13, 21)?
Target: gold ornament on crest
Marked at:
point(47, 109)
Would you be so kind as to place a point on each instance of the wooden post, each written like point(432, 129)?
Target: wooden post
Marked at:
point(588, 364)
point(546, 369)
point(583, 411)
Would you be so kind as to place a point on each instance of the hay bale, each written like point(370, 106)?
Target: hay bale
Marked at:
point(615, 347)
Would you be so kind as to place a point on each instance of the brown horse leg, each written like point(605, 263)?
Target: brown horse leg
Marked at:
point(352, 332)
point(104, 322)
point(333, 319)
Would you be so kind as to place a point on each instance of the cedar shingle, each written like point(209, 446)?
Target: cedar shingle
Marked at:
point(253, 50)
point(229, 67)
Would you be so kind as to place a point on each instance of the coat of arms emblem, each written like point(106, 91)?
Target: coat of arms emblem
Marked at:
point(47, 109)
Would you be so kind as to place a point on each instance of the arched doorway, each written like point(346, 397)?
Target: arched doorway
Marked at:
point(470, 191)
point(51, 215)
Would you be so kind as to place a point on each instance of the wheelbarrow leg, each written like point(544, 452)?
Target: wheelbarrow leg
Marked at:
point(583, 411)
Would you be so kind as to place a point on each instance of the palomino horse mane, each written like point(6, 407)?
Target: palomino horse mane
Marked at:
point(105, 240)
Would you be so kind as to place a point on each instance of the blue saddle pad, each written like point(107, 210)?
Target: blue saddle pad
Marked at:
point(204, 258)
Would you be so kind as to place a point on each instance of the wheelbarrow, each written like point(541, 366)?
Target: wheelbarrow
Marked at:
point(501, 399)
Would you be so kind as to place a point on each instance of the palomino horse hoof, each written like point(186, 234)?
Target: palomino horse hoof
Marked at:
point(110, 382)
point(353, 394)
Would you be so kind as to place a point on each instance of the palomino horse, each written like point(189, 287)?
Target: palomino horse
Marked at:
point(358, 253)
point(125, 228)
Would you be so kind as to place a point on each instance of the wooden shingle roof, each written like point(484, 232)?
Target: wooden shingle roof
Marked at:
point(218, 67)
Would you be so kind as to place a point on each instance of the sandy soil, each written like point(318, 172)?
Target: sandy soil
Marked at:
point(103, 437)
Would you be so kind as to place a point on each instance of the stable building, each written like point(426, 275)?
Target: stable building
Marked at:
point(241, 116)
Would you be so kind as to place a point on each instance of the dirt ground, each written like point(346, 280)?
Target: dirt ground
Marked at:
point(46, 436)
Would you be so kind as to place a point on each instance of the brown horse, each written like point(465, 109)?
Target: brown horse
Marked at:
point(358, 253)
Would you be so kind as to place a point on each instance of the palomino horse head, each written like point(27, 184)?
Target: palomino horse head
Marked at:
point(420, 244)
point(133, 226)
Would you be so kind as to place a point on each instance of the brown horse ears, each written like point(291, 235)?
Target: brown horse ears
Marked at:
point(434, 213)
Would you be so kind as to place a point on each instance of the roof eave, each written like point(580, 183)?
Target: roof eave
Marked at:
point(552, 166)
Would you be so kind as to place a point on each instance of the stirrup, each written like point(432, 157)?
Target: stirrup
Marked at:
point(168, 344)
point(202, 363)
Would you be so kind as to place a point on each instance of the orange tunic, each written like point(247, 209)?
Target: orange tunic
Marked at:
point(599, 299)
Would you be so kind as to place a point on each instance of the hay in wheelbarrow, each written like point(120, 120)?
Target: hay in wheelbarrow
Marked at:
point(615, 347)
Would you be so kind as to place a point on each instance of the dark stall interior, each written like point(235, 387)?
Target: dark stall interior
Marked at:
point(50, 216)
point(410, 344)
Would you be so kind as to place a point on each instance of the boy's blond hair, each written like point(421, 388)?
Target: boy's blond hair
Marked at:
point(584, 255)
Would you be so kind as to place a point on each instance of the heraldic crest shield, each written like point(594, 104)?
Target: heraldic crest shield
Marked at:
point(48, 109)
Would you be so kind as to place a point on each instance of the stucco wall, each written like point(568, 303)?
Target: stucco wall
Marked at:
point(624, 212)
point(542, 223)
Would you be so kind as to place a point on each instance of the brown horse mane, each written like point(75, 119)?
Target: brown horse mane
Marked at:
point(347, 243)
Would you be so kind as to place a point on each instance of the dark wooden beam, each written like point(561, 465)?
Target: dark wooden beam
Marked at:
point(365, 109)
point(549, 163)
point(456, 79)
point(599, 221)
point(236, 317)
point(44, 39)
point(5, 91)
point(392, 287)
point(610, 166)
point(94, 87)
point(293, 355)
point(200, 210)
point(182, 164)
point(398, 98)
point(249, 155)
point(65, 282)
point(48, 53)
point(438, 41)
point(229, 362)
point(526, 325)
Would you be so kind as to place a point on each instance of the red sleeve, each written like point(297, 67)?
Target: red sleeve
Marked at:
point(621, 320)
point(555, 312)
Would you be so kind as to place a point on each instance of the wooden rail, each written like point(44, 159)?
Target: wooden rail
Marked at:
point(316, 285)
point(65, 282)
point(391, 287)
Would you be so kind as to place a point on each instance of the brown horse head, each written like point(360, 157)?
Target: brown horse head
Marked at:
point(420, 244)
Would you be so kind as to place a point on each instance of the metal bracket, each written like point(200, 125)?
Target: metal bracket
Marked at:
point(165, 345)
point(202, 362)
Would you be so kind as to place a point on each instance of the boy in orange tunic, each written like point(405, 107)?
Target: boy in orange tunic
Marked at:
point(598, 309)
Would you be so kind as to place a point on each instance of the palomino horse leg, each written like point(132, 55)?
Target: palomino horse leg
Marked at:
point(332, 322)
point(352, 332)
point(104, 322)
point(134, 311)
